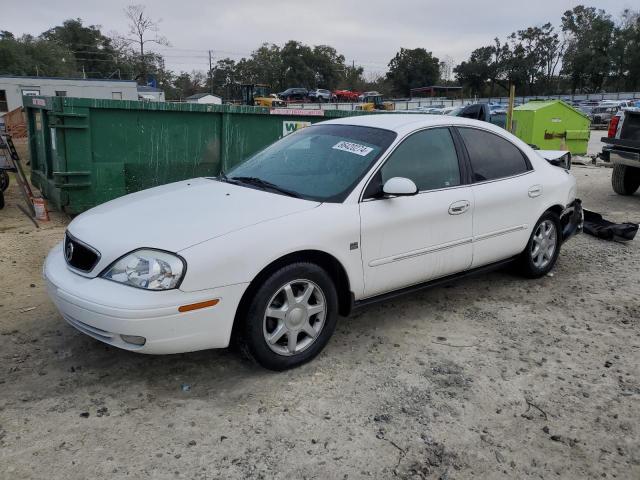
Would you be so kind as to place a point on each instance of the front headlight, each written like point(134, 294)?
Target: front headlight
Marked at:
point(148, 269)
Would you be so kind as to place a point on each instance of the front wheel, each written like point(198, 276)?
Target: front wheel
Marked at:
point(290, 317)
point(543, 247)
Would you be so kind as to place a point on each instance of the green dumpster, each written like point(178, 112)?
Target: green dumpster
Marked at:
point(552, 125)
point(87, 151)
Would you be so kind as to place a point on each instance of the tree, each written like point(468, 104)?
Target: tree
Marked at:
point(446, 67)
point(412, 68)
point(189, 84)
point(474, 73)
point(223, 76)
point(297, 65)
point(328, 66)
point(140, 27)
point(353, 78)
point(35, 56)
point(486, 65)
point(625, 51)
point(264, 66)
point(586, 60)
point(94, 53)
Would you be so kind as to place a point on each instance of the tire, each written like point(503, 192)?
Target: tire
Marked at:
point(625, 180)
point(4, 180)
point(1, 200)
point(271, 299)
point(535, 265)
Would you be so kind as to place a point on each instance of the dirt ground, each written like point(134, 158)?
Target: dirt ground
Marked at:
point(492, 377)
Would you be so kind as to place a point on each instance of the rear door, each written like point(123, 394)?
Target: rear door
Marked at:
point(507, 194)
point(411, 239)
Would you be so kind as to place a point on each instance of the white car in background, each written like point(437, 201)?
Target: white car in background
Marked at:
point(337, 215)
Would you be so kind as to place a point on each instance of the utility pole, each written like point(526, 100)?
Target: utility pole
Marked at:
point(210, 74)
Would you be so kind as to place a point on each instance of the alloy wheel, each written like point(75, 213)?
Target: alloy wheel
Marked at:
point(543, 246)
point(294, 317)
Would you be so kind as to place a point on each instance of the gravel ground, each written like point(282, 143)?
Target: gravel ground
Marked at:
point(491, 377)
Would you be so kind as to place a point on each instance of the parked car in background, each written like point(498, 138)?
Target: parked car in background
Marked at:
point(337, 215)
point(482, 111)
point(622, 148)
point(497, 109)
point(602, 115)
point(294, 94)
point(430, 109)
point(346, 95)
point(321, 95)
point(372, 93)
point(452, 110)
point(587, 106)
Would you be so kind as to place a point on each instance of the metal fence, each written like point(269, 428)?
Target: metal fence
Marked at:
point(413, 103)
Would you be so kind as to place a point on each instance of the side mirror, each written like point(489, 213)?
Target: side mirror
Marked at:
point(399, 187)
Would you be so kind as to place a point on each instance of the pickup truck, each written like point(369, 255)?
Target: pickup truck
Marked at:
point(622, 148)
point(485, 112)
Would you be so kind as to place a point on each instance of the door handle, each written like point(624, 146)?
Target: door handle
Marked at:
point(461, 206)
point(535, 191)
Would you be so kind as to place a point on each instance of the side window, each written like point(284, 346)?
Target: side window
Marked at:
point(492, 156)
point(428, 158)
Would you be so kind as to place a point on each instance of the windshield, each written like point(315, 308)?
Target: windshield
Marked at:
point(321, 162)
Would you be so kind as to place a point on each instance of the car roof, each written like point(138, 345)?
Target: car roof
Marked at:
point(403, 123)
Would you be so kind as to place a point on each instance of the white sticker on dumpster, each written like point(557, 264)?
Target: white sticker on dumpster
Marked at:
point(351, 147)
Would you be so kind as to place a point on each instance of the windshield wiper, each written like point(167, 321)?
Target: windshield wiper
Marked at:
point(222, 177)
point(258, 182)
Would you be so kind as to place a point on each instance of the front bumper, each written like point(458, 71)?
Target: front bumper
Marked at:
point(572, 219)
point(106, 310)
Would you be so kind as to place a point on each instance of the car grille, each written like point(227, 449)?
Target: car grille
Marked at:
point(78, 255)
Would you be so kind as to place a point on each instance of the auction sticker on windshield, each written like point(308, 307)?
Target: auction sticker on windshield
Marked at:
point(351, 147)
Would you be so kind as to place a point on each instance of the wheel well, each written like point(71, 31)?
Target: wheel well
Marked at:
point(332, 266)
point(557, 209)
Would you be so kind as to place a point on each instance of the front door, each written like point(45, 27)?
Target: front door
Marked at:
point(412, 239)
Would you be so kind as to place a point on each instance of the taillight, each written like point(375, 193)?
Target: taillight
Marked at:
point(613, 126)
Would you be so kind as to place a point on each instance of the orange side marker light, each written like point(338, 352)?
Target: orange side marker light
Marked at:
point(196, 306)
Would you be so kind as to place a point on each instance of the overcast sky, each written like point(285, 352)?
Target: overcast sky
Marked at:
point(369, 32)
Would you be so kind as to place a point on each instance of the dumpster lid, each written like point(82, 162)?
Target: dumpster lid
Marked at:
point(534, 105)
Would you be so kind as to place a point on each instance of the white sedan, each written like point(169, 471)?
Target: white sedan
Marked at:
point(335, 216)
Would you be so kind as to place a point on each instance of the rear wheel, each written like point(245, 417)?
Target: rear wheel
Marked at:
point(290, 317)
point(625, 180)
point(543, 247)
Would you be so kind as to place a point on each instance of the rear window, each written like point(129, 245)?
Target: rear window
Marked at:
point(492, 156)
point(631, 126)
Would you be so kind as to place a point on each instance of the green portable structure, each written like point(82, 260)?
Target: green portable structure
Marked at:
point(87, 151)
point(552, 125)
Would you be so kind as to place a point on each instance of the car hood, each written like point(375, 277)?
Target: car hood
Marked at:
point(178, 215)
